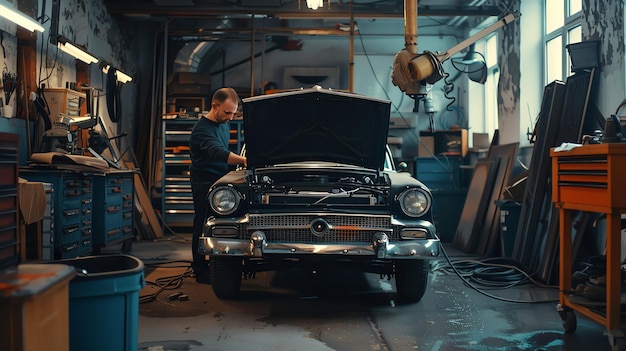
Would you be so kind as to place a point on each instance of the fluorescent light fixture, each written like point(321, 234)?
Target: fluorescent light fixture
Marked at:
point(75, 50)
point(105, 66)
point(19, 18)
point(314, 4)
point(119, 75)
point(122, 77)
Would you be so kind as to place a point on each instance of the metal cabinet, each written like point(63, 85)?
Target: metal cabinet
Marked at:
point(73, 209)
point(439, 173)
point(176, 197)
point(8, 199)
point(113, 208)
point(590, 179)
point(236, 135)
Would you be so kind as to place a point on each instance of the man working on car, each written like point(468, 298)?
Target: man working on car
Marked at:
point(210, 158)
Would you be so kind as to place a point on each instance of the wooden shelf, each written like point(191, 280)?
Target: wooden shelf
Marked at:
point(65, 101)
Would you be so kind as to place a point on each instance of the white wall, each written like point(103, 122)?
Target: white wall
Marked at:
point(604, 20)
point(531, 67)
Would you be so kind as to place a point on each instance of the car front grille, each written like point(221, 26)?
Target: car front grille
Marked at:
point(296, 228)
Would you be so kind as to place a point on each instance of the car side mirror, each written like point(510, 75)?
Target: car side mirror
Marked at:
point(403, 167)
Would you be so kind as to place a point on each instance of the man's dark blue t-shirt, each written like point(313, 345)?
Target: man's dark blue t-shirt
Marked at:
point(208, 147)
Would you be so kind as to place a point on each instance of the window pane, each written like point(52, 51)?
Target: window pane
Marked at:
point(491, 58)
point(575, 35)
point(575, 6)
point(554, 14)
point(554, 60)
point(491, 101)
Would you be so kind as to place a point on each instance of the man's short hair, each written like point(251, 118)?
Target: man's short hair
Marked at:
point(223, 94)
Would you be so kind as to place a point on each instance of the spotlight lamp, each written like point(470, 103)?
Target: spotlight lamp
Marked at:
point(473, 64)
point(19, 18)
point(78, 51)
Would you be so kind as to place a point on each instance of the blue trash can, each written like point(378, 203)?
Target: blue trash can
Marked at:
point(104, 302)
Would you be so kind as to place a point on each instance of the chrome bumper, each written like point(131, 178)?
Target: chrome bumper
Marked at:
point(379, 248)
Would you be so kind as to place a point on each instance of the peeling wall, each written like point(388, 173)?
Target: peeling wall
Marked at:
point(8, 54)
point(604, 21)
point(509, 83)
point(87, 23)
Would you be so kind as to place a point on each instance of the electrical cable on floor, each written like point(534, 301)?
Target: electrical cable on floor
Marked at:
point(168, 282)
point(491, 274)
point(511, 276)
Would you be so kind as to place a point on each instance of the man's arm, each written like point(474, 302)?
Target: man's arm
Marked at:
point(234, 159)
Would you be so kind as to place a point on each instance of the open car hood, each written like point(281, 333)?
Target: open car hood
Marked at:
point(315, 125)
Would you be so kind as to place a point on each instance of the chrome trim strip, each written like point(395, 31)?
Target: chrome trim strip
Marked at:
point(410, 249)
point(319, 214)
point(330, 226)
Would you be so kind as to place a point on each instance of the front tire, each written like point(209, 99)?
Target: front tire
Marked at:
point(225, 276)
point(411, 279)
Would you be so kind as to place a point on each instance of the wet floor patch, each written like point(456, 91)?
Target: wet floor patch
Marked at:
point(173, 345)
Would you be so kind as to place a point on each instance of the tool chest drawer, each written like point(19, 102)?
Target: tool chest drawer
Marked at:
point(590, 175)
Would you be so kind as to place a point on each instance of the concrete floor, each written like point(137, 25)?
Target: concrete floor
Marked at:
point(345, 310)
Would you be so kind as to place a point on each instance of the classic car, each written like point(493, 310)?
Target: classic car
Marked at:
point(320, 189)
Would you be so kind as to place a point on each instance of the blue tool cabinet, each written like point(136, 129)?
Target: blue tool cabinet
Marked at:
point(91, 209)
point(113, 208)
point(73, 203)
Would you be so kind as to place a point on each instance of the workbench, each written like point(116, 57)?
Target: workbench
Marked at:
point(590, 178)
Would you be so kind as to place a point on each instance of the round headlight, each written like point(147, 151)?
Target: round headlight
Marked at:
point(224, 200)
point(414, 202)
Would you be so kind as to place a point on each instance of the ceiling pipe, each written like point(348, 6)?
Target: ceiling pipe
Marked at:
point(410, 26)
point(400, 75)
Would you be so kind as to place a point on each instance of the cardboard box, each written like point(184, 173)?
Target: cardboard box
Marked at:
point(480, 140)
point(32, 200)
point(426, 146)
